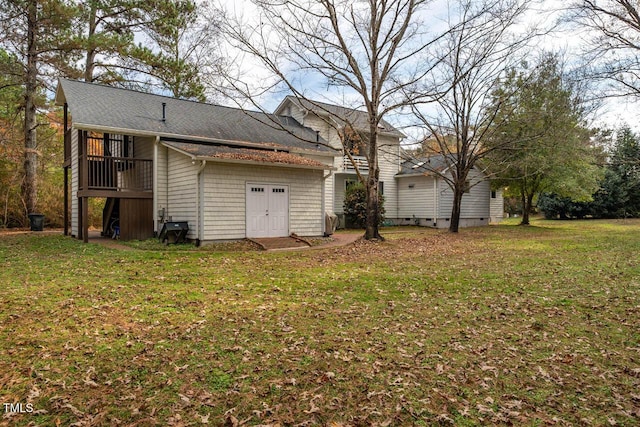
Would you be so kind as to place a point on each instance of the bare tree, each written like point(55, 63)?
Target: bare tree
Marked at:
point(613, 42)
point(377, 49)
point(485, 41)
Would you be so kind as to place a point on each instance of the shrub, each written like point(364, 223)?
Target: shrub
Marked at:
point(355, 206)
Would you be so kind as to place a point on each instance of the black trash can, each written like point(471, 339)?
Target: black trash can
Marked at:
point(37, 221)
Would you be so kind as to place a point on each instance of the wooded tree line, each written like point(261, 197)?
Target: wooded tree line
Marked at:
point(477, 83)
point(152, 45)
point(618, 195)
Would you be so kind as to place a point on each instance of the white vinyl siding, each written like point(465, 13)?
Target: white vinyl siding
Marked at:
point(160, 192)
point(389, 163)
point(416, 198)
point(225, 198)
point(182, 190)
point(329, 181)
point(496, 207)
point(327, 132)
point(74, 182)
point(475, 203)
point(389, 166)
point(340, 186)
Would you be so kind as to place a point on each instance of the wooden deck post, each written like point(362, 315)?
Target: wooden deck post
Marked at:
point(80, 227)
point(85, 221)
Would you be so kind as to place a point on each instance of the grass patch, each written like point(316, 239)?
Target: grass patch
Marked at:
point(496, 325)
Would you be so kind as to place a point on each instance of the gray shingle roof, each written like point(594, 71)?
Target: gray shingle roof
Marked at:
point(425, 165)
point(356, 118)
point(99, 106)
point(223, 152)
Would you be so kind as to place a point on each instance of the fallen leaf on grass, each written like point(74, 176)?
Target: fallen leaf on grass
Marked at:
point(76, 411)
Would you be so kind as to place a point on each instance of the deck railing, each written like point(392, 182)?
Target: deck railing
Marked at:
point(118, 174)
point(360, 161)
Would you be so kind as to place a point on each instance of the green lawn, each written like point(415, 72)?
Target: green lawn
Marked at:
point(497, 325)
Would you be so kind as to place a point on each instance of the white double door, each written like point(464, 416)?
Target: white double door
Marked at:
point(267, 210)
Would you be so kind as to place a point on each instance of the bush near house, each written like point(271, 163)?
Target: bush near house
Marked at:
point(355, 206)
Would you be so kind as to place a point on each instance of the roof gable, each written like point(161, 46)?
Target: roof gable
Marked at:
point(343, 115)
point(106, 108)
point(436, 164)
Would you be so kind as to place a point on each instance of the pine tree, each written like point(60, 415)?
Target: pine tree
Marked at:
point(550, 151)
point(36, 33)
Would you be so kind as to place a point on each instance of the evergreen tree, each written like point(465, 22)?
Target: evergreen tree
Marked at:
point(36, 33)
point(162, 44)
point(619, 193)
point(551, 152)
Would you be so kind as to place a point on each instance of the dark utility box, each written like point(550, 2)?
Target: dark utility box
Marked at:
point(174, 232)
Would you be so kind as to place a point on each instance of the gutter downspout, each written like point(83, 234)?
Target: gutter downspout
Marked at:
point(199, 203)
point(323, 211)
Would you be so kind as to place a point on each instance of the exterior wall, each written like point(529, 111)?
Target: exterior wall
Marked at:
point(389, 162)
point(224, 195)
point(329, 183)
point(139, 177)
point(293, 111)
point(416, 199)
point(327, 132)
point(160, 193)
point(475, 204)
point(143, 147)
point(182, 190)
point(430, 201)
point(496, 207)
point(74, 182)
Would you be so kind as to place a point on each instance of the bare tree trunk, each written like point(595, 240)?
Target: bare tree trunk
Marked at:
point(373, 198)
point(527, 206)
point(454, 225)
point(91, 51)
point(30, 183)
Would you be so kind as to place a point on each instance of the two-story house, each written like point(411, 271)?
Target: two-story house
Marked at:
point(231, 173)
point(332, 122)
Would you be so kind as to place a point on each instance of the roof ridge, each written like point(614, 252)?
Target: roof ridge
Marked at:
point(167, 96)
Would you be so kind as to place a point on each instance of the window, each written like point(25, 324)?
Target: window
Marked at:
point(494, 195)
point(381, 188)
point(467, 187)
